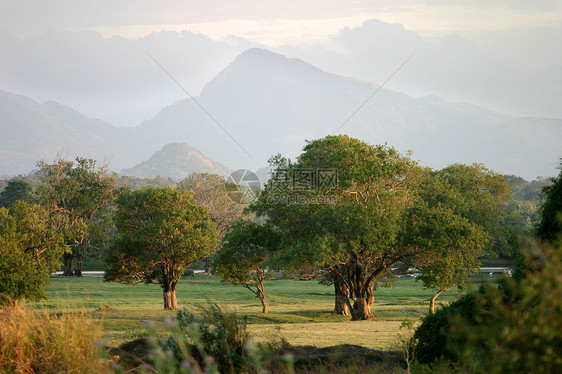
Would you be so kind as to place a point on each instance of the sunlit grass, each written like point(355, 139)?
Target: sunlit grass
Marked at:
point(299, 310)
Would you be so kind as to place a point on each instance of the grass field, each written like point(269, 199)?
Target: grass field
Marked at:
point(299, 310)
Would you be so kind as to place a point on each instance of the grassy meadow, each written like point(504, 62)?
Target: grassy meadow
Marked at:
point(299, 310)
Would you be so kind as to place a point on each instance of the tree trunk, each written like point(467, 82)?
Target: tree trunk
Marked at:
point(361, 310)
point(265, 305)
point(370, 298)
point(169, 291)
point(78, 271)
point(261, 291)
point(363, 299)
point(67, 259)
point(341, 297)
point(207, 265)
point(433, 298)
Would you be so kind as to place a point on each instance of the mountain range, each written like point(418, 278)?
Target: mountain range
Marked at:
point(264, 103)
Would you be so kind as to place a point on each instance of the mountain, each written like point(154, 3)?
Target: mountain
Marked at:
point(272, 104)
point(31, 132)
point(176, 161)
point(264, 103)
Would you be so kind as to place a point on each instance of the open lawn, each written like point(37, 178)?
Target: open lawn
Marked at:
point(299, 310)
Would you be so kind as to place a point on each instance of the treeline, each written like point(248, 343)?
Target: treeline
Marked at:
point(345, 210)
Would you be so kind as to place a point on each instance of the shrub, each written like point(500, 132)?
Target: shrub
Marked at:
point(218, 342)
point(515, 327)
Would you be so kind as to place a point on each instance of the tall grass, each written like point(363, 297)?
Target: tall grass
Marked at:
point(34, 341)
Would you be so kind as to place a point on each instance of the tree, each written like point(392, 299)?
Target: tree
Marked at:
point(354, 224)
point(243, 256)
point(549, 227)
point(16, 189)
point(448, 247)
point(82, 189)
point(475, 193)
point(32, 240)
point(209, 190)
point(160, 231)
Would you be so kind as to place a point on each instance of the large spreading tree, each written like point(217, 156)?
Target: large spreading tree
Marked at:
point(351, 228)
point(160, 232)
point(84, 190)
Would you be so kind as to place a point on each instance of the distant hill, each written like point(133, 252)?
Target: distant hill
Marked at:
point(176, 161)
point(272, 104)
point(30, 132)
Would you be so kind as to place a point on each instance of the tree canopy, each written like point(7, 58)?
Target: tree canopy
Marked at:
point(475, 193)
point(32, 240)
point(16, 189)
point(448, 247)
point(160, 231)
point(359, 227)
point(243, 256)
point(84, 191)
point(209, 190)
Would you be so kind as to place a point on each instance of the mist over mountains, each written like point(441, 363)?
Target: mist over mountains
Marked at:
point(272, 104)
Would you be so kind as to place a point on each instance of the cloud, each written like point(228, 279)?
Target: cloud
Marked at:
point(517, 82)
point(112, 78)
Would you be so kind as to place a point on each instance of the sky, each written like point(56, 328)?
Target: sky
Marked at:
point(95, 56)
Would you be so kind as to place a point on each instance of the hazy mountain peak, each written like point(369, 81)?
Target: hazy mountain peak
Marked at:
point(176, 161)
point(264, 57)
point(259, 67)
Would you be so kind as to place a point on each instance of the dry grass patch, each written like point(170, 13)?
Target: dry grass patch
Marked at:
point(374, 334)
point(40, 342)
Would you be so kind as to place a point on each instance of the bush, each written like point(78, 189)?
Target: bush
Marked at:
point(515, 327)
point(433, 335)
point(37, 342)
point(218, 342)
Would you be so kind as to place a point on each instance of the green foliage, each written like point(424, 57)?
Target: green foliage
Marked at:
point(80, 188)
point(160, 232)
point(433, 335)
point(32, 240)
point(476, 194)
point(450, 246)
point(525, 191)
point(217, 342)
point(85, 192)
point(549, 227)
point(512, 328)
point(244, 251)
point(16, 189)
point(360, 228)
point(243, 255)
point(135, 183)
